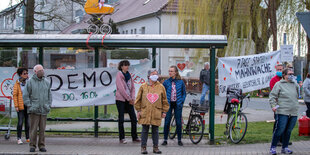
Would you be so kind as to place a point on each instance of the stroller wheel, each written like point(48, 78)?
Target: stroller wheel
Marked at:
point(105, 29)
point(93, 29)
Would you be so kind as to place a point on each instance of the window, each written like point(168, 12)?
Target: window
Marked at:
point(131, 31)
point(189, 27)
point(126, 31)
point(135, 31)
point(142, 30)
point(123, 32)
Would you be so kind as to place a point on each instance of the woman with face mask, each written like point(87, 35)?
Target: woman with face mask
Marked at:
point(284, 103)
point(176, 94)
point(151, 105)
point(20, 108)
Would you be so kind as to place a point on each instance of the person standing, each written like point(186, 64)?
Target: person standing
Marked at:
point(38, 99)
point(176, 94)
point(306, 88)
point(125, 99)
point(205, 80)
point(20, 107)
point(277, 77)
point(151, 105)
point(273, 81)
point(284, 103)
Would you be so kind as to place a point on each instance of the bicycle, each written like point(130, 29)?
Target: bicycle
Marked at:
point(237, 123)
point(195, 125)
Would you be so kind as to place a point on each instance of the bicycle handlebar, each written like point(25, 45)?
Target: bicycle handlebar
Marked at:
point(191, 93)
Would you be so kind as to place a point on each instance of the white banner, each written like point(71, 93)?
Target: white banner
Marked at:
point(82, 87)
point(248, 73)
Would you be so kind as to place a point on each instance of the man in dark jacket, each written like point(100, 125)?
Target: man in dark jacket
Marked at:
point(205, 79)
point(38, 99)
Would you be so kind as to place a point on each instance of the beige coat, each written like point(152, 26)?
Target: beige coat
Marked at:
point(151, 113)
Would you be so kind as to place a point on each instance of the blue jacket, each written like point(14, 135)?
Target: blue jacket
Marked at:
point(180, 88)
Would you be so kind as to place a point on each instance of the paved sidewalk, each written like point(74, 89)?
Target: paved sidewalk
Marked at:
point(111, 146)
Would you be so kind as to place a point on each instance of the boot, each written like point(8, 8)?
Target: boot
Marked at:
point(156, 150)
point(143, 150)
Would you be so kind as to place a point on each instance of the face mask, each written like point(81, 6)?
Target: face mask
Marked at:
point(279, 74)
point(40, 74)
point(290, 77)
point(154, 77)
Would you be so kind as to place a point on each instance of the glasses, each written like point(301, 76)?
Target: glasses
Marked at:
point(291, 74)
point(25, 73)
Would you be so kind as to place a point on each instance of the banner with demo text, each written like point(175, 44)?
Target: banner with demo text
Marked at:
point(83, 87)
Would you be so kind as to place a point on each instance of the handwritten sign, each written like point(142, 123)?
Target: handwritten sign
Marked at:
point(248, 73)
point(81, 87)
point(287, 54)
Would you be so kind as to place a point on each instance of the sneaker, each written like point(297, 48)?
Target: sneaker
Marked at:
point(19, 142)
point(123, 141)
point(32, 150)
point(156, 150)
point(180, 143)
point(143, 150)
point(27, 140)
point(286, 151)
point(42, 149)
point(164, 143)
point(137, 140)
point(273, 151)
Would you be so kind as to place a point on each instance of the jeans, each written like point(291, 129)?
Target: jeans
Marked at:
point(274, 127)
point(21, 115)
point(37, 121)
point(205, 89)
point(145, 133)
point(123, 107)
point(178, 118)
point(308, 109)
point(285, 124)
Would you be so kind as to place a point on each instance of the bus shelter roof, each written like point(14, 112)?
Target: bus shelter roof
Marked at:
point(138, 41)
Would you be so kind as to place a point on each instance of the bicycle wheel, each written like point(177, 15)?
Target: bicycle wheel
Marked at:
point(172, 128)
point(237, 130)
point(196, 128)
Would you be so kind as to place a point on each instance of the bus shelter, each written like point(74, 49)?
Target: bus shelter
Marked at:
point(95, 42)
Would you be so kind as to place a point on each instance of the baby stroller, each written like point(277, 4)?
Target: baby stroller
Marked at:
point(97, 9)
point(232, 94)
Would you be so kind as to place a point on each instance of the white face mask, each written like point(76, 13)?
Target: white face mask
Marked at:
point(154, 77)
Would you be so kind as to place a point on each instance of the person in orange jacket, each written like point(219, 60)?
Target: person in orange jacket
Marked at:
point(20, 108)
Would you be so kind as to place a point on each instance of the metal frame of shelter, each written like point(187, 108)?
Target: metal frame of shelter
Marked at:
point(211, 42)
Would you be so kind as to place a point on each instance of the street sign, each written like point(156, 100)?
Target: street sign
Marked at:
point(304, 19)
point(287, 54)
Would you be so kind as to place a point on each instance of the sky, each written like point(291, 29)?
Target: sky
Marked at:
point(5, 4)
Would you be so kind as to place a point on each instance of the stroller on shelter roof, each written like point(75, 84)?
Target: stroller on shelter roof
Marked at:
point(97, 9)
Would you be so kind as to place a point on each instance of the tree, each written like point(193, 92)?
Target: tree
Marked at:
point(264, 24)
point(29, 20)
point(42, 11)
point(307, 4)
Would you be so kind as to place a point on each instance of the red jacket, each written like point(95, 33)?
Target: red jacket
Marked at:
point(273, 81)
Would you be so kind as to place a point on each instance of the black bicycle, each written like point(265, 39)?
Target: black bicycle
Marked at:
point(195, 125)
